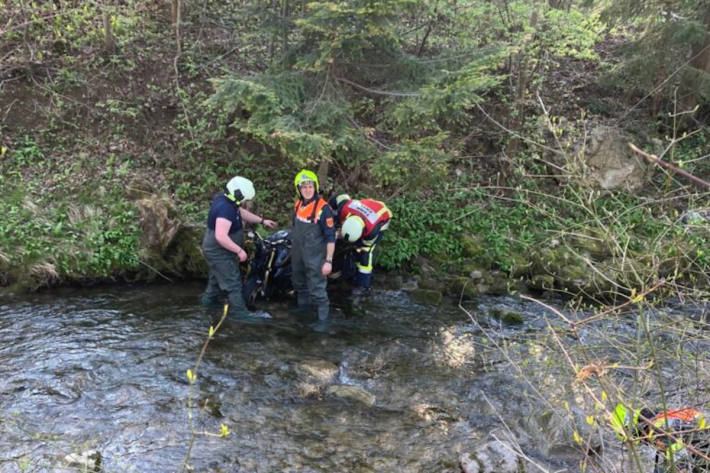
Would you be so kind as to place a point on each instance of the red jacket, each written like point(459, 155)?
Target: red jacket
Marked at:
point(374, 213)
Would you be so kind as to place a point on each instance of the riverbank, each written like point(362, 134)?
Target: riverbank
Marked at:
point(471, 242)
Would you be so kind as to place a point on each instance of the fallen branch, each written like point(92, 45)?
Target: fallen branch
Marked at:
point(656, 160)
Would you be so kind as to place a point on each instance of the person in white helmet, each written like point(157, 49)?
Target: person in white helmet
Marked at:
point(362, 223)
point(223, 240)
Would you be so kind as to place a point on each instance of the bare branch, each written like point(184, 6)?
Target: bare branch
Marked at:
point(656, 160)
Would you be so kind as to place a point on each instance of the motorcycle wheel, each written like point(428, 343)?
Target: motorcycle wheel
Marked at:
point(250, 290)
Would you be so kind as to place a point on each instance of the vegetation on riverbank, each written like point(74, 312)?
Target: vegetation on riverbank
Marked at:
point(470, 119)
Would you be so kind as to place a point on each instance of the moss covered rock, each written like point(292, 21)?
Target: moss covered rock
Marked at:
point(463, 288)
point(542, 282)
point(476, 251)
point(507, 316)
point(168, 246)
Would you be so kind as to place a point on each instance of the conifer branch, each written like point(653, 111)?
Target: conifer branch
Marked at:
point(378, 92)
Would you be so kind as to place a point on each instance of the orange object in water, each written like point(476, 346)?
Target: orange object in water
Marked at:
point(686, 415)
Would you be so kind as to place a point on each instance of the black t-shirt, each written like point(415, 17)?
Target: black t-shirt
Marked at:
point(222, 207)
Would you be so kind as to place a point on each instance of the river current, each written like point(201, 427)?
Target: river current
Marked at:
point(398, 386)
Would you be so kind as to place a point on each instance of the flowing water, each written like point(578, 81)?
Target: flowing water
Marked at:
point(399, 387)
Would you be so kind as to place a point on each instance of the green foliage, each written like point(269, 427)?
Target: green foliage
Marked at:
point(434, 225)
point(40, 30)
point(272, 115)
point(300, 106)
point(26, 153)
point(347, 30)
point(415, 164)
point(59, 238)
point(568, 33)
point(446, 101)
point(659, 51)
point(690, 154)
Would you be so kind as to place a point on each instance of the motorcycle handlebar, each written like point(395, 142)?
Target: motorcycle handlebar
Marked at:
point(254, 235)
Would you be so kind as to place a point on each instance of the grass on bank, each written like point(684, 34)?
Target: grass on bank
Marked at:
point(82, 226)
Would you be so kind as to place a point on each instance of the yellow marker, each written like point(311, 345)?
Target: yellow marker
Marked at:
point(577, 438)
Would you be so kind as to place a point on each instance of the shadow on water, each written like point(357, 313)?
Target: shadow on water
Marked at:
point(105, 369)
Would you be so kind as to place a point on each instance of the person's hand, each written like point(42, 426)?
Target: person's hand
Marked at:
point(242, 255)
point(327, 268)
point(268, 223)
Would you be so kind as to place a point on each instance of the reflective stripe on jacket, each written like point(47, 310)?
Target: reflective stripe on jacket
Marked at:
point(309, 213)
point(372, 212)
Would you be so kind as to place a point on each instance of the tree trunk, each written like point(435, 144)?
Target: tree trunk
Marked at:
point(174, 12)
point(521, 89)
point(177, 19)
point(285, 12)
point(323, 175)
point(109, 41)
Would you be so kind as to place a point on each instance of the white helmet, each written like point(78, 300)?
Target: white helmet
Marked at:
point(352, 228)
point(240, 189)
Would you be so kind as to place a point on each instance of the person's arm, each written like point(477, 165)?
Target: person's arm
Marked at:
point(253, 218)
point(328, 263)
point(221, 234)
point(327, 223)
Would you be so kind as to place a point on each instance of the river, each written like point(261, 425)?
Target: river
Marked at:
point(399, 387)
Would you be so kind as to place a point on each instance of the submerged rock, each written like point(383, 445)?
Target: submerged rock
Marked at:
point(558, 430)
point(89, 460)
point(355, 393)
point(453, 349)
point(318, 371)
point(492, 457)
point(426, 296)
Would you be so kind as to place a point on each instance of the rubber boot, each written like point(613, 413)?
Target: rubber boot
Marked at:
point(324, 324)
point(323, 312)
point(237, 307)
point(209, 301)
point(302, 307)
point(238, 311)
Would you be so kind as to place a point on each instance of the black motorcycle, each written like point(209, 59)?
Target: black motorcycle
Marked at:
point(269, 273)
point(269, 270)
